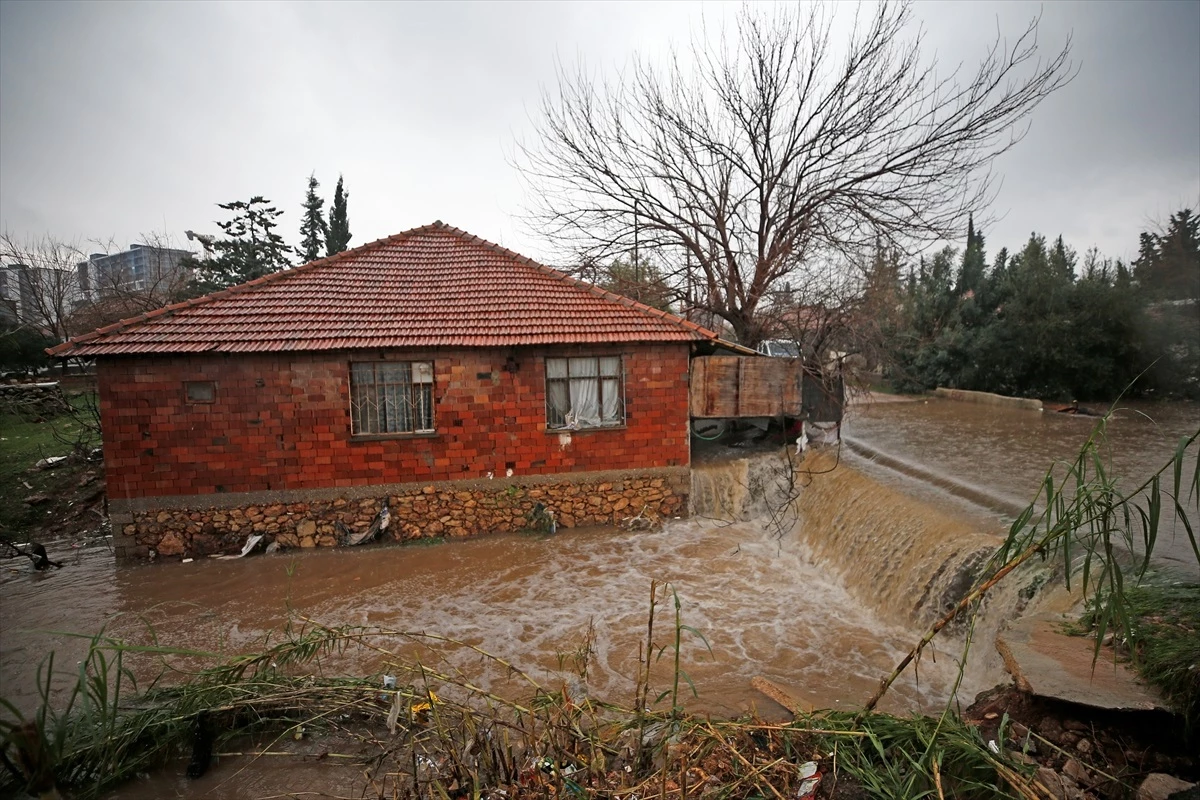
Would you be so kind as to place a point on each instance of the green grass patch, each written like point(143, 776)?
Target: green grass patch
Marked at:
point(424, 541)
point(1164, 646)
point(23, 443)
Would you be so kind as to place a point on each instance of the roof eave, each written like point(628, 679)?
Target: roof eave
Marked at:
point(77, 346)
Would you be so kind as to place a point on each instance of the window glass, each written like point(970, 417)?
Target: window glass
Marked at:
point(201, 391)
point(584, 392)
point(391, 397)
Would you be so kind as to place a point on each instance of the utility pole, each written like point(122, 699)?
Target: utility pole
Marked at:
point(637, 267)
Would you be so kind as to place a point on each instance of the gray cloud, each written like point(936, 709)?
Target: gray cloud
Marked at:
point(121, 118)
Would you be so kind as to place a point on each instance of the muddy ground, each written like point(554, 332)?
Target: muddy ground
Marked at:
point(1095, 753)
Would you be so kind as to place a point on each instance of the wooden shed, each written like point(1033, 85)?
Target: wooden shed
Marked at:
point(731, 387)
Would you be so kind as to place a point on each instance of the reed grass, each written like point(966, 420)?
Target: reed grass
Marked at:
point(1103, 537)
point(438, 734)
point(1164, 640)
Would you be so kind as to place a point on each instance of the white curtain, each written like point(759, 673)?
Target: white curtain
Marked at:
point(558, 397)
point(585, 391)
point(610, 389)
point(422, 379)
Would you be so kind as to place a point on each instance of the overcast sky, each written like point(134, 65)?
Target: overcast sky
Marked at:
point(118, 119)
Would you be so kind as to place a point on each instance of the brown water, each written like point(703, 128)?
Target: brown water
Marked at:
point(763, 604)
point(824, 595)
point(1004, 453)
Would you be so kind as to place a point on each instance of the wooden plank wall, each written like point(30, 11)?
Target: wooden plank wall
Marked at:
point(746, 386)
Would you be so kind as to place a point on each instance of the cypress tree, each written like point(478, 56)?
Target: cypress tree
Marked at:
point(974, 262)
point(339, 222)
point(313, 229)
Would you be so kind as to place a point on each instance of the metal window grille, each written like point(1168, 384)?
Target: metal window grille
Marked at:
point(584, 392)
point(391, 397)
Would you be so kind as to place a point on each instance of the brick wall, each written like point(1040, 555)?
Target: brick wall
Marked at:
point(281, 422)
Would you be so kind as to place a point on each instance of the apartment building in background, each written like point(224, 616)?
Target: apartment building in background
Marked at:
point(138, 269)
point(37, 295)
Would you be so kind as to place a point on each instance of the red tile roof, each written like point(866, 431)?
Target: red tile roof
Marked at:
point(433, 286)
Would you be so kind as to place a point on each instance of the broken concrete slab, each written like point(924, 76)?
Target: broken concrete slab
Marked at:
point(1158, 786)
point(782, 695)
point(1046, 662)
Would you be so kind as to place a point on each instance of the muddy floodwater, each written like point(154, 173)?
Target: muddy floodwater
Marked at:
point(824, 598)
point(762, 605)
point(1006, 452)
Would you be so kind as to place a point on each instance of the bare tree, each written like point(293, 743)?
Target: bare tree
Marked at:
point(54, 286)
point(115, 293)
point(777, 151)
point(43, 282)
point(816, 310)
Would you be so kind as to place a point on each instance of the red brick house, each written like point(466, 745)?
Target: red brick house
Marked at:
point(453, 379)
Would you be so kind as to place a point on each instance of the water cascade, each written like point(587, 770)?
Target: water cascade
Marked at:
point(905, 560)
point(802, 570)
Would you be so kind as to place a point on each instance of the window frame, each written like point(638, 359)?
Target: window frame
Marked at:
point(599, 377)
point(193, 391)
point(386, 393)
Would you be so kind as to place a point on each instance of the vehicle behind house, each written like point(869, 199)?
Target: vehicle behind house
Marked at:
point(779, 348)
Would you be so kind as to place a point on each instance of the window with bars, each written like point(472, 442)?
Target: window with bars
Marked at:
point(584, 392)
point(391, 397)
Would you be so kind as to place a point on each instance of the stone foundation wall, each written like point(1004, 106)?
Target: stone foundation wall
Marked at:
point(33, 400)
point(430, 511)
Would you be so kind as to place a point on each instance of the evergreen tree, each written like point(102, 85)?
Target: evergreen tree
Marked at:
point(972, 280)
point(879, 313)
point(642, 281)
point(250, 250)
point(883, 274)
point(1024, 343)
point(974, 263)
point(1000, 266)
point(23, 349)
point(313, 230)
point(1124, 278)
point(338, 236)
point(1036, 327)
point(995, 286)
point(1102, 338)
point(1168, 264)
point(1147, 258)
point(923, 357)
point(1062, 260)
point(1168, 275)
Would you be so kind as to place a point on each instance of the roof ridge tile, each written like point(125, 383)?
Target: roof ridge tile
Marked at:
point(432, 285)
